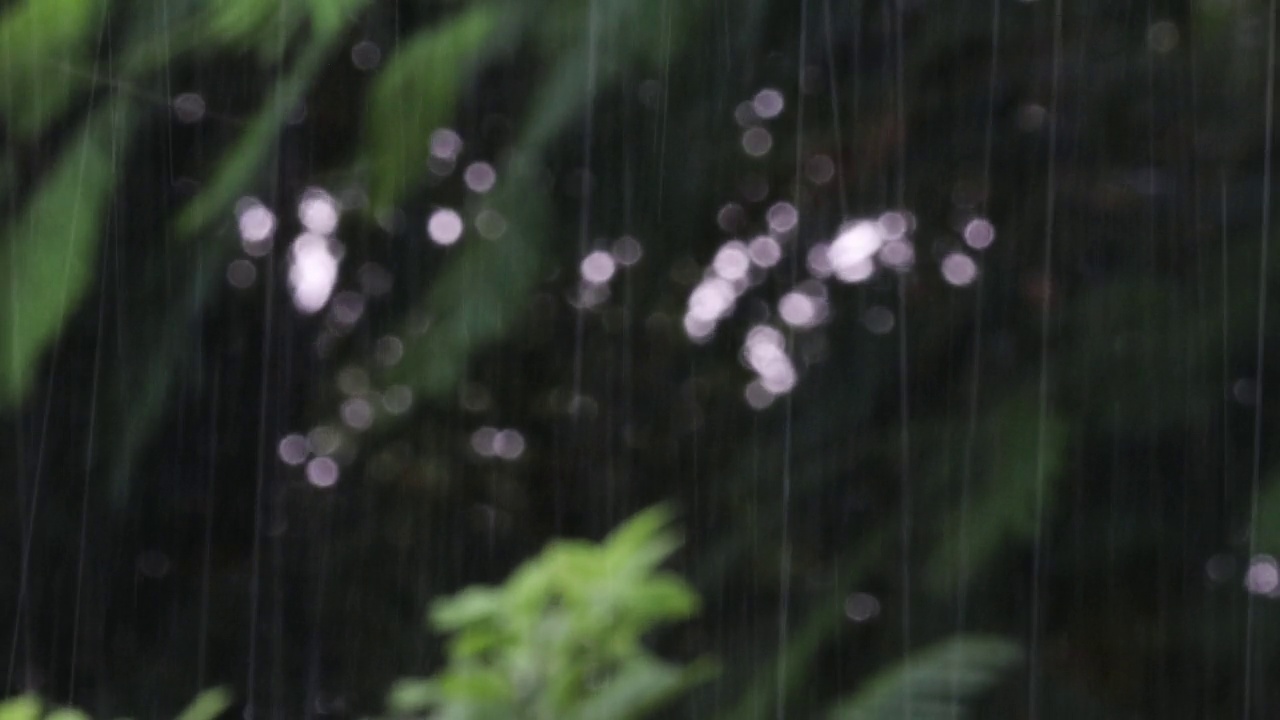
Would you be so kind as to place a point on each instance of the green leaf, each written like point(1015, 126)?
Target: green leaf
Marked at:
point(208, 705)
point(330, 16)
point(267, 27)
point(479, 294)
point(416, 93)
point(249, 157)
point(1267, 532)
point(409, 695)
point(43, 48)
point(1002, 508)
point(50, 248)
point(469, 606)
point(663, 598)
point(26, 707)
point(66, 714)
point(643, 685)
point(643, 541)
point(476, 684)
point(941, 681)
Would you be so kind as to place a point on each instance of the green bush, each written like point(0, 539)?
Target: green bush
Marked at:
point(563, 637)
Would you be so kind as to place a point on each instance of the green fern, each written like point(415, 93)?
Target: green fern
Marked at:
point(941, 681)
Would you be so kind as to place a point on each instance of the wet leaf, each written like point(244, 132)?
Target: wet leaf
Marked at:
point(50, 249)
point(26, 707)
point(941, 681)
point(44, 49)
point(417, 92)
point(642, 687)
point(67, 714)
point(1001, 509)
point(208, 705)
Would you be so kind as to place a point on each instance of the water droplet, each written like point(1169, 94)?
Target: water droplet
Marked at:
point(626, 251)
point(893, 225)
point(782, 217)
point(397, 399)
point(257, 224)
point(1245, 391)
point(366, 55)
point(482, 441)
point(768, 103)
point(731, 217)
point(490, 224)
point(324, 440)
point(959, 269)
point(757, 396)
point(731, 261)
point(757, 142)
point(878, 319)
point(818, 260)
point(446, 144)
point(698, 329)
point(508, 444)
point(1163, 36)
point(851, 252)
point(188, 108)
point(444, 227)
point(979, 233)
point(480, 177)
point(318, 211)
point(861, 607)
point(313, 271)
point(347, 308)
point(711, 299)
point(799, 310)
point(322, 472)
point(764, 251)
point(1263, 575)
point(293, 449)
point(598, 267)
point(898, 254)
point(357, 413)
point(389, 350)
point(1220, 567)
point(819, 169)
point(241, 273)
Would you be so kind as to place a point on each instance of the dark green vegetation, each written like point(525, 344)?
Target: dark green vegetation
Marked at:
point(1071, 453)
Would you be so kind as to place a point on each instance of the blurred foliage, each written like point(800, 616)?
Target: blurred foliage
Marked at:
point(562, 637)
point(937, 682)
point(1072, 450)
point(208, 705)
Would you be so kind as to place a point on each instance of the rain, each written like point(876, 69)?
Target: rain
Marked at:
point(556, 359)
